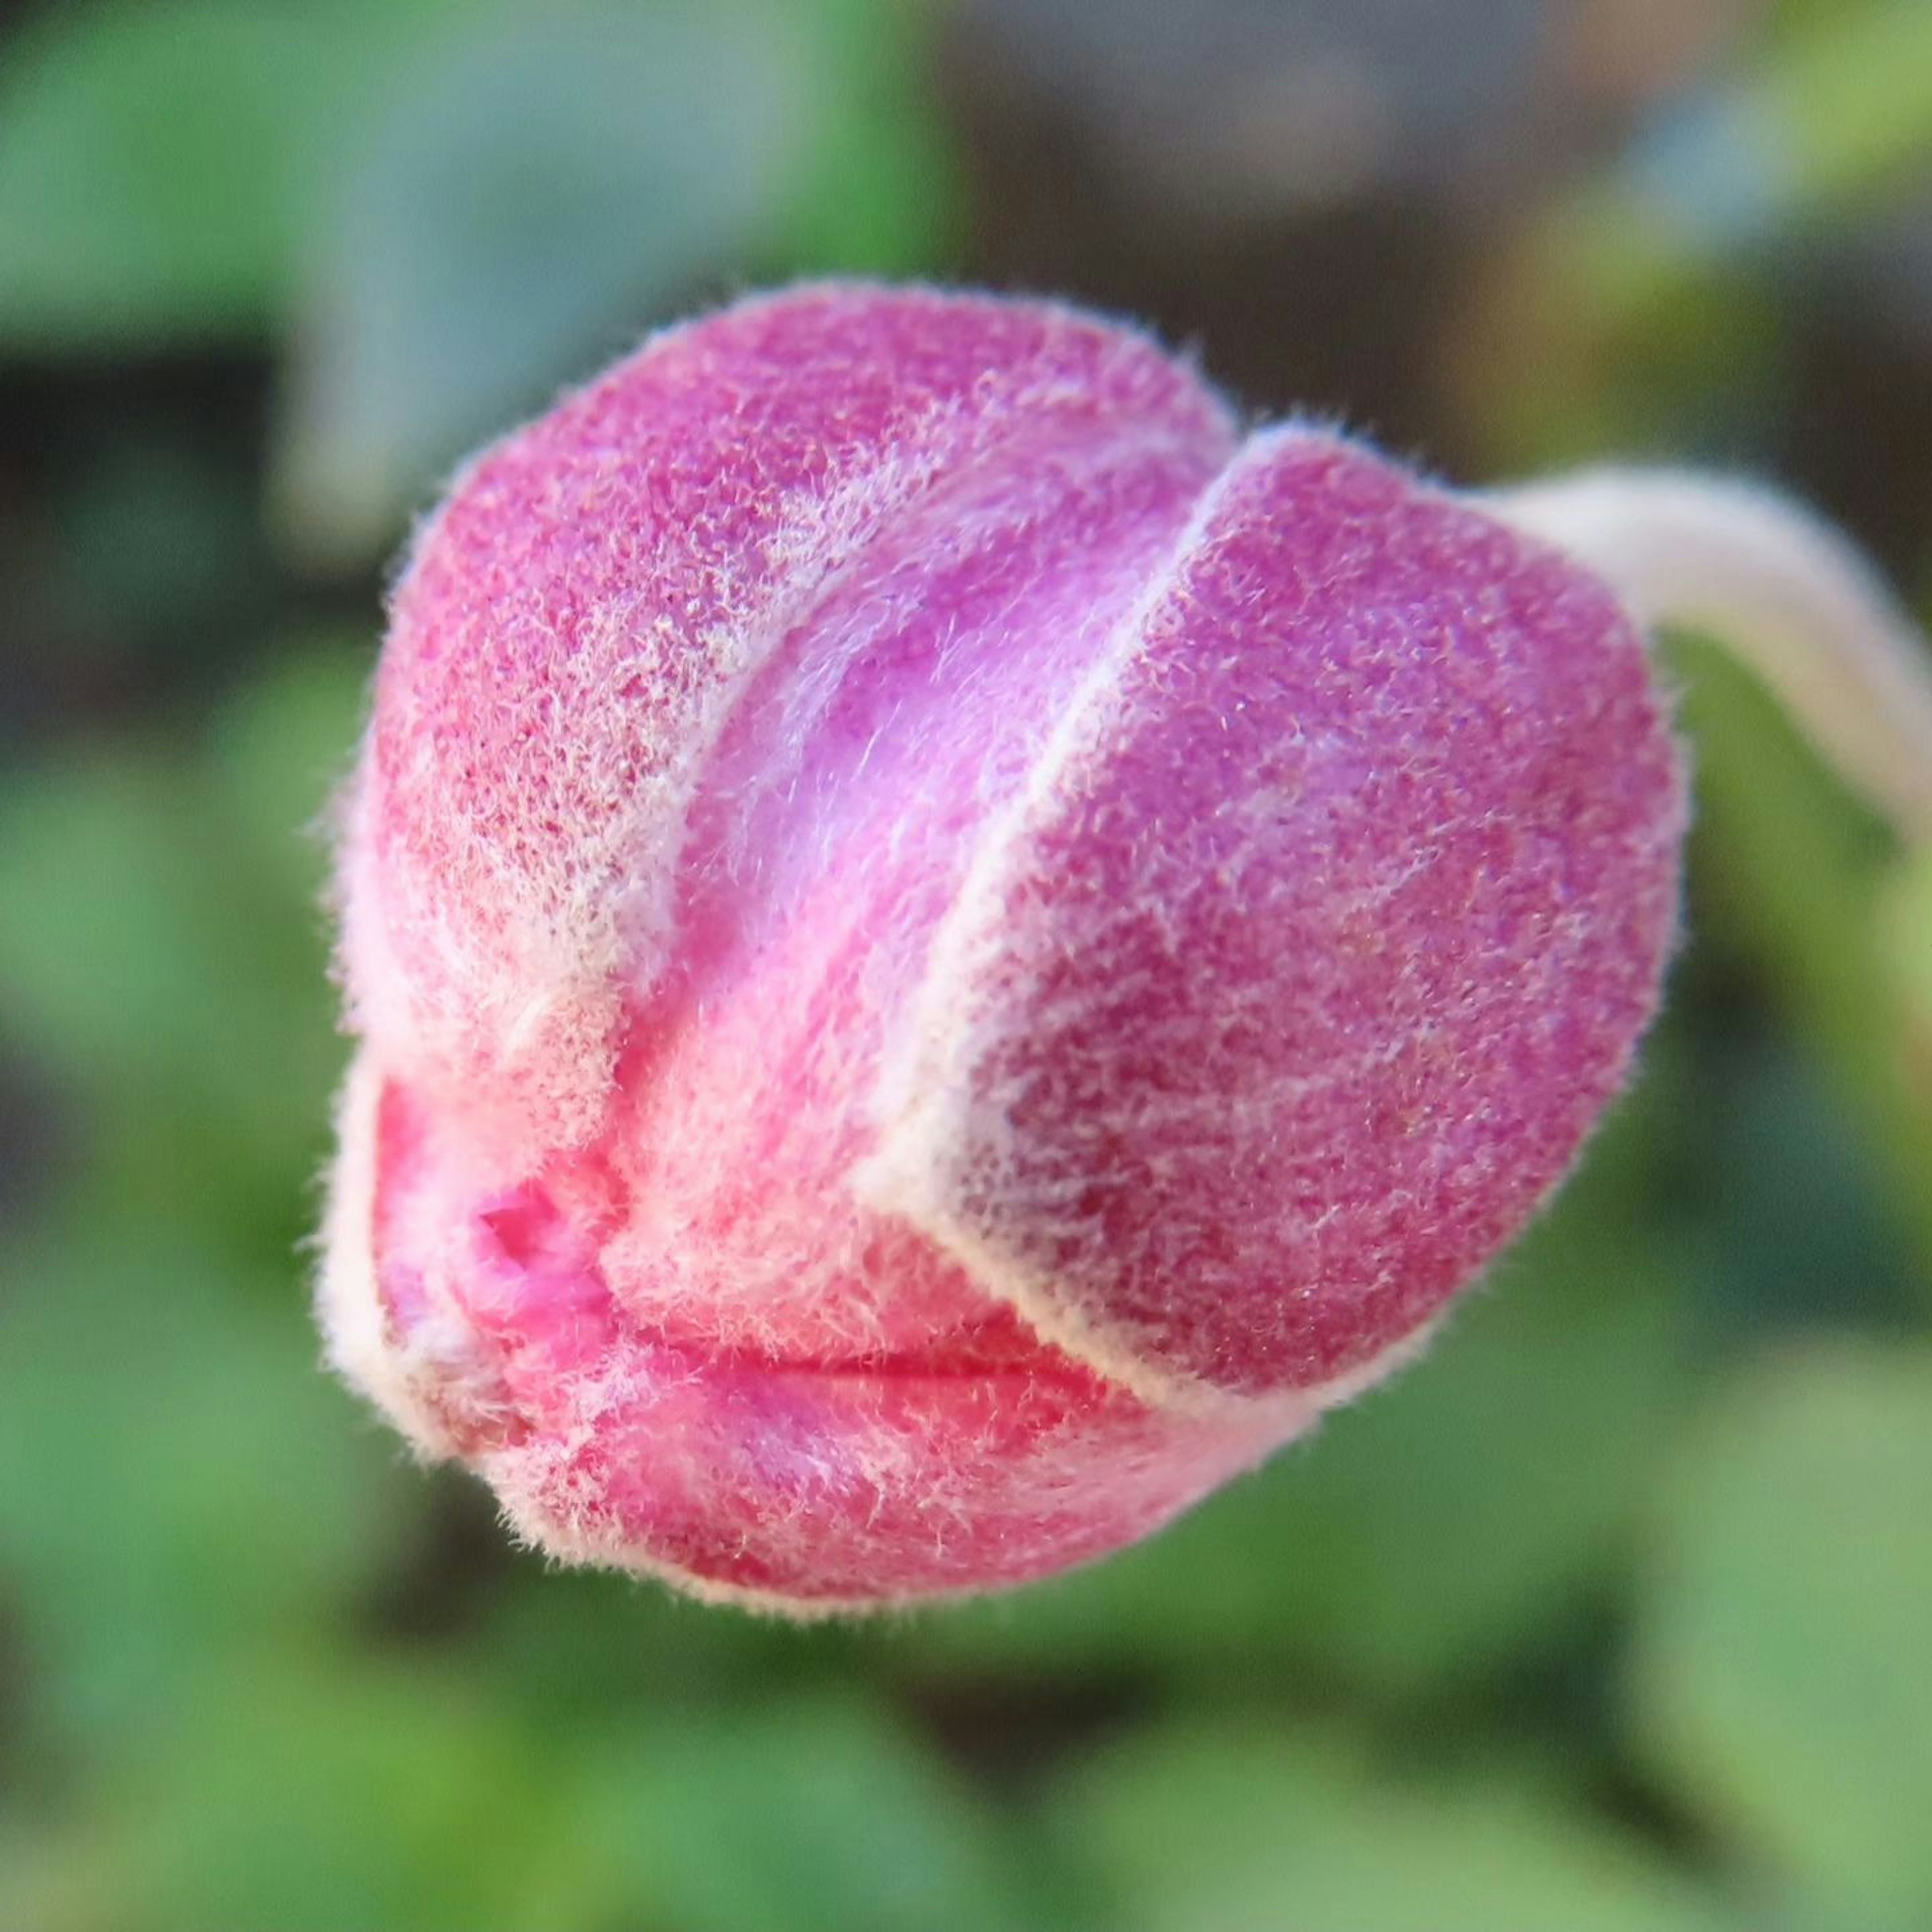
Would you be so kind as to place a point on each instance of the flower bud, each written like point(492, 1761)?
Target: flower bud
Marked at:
point(946, 950)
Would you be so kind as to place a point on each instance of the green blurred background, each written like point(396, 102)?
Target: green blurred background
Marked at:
point(1616, 1615)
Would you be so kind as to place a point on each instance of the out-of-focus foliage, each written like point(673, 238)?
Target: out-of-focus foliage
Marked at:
point(1781, 1677)
point(1616, 1612)
point(548, 178)
point(1237, 1825)
point(449, 208)
point(159, 165)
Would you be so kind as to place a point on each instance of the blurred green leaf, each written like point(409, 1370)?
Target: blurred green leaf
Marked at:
point(1799, 1234)
point(136, 968)
point(181, 1486)
point(341, 1798)
point(1908, 929)
point(557, 180)
point(877, 193)
point(159, 158)
point(164, 954)
point(1782, 1676)
point(279, 749)
point(1790, 874)
point(568, 1644)
point(816, 1815)
point(557, 177)
point(364, 1797)
point(1237, 1827)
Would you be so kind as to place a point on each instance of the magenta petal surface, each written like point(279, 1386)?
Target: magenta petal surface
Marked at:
point(946, 953)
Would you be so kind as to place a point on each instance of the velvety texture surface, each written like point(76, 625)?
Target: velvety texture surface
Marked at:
point(945, 951)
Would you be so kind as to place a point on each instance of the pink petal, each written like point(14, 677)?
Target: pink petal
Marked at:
point(945, 956)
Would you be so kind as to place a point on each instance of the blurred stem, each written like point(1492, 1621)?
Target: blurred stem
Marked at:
point(1811, 630)
point(1782, 591)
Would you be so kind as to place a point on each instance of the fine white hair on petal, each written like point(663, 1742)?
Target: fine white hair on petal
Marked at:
point(924, 1091)
point(544, 1507)
point(358, 1335)
point(1781, 590)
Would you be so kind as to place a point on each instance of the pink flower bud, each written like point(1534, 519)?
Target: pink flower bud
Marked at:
point(947, 952)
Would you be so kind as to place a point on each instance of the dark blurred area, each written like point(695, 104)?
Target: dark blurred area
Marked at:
point(1616, 1613)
